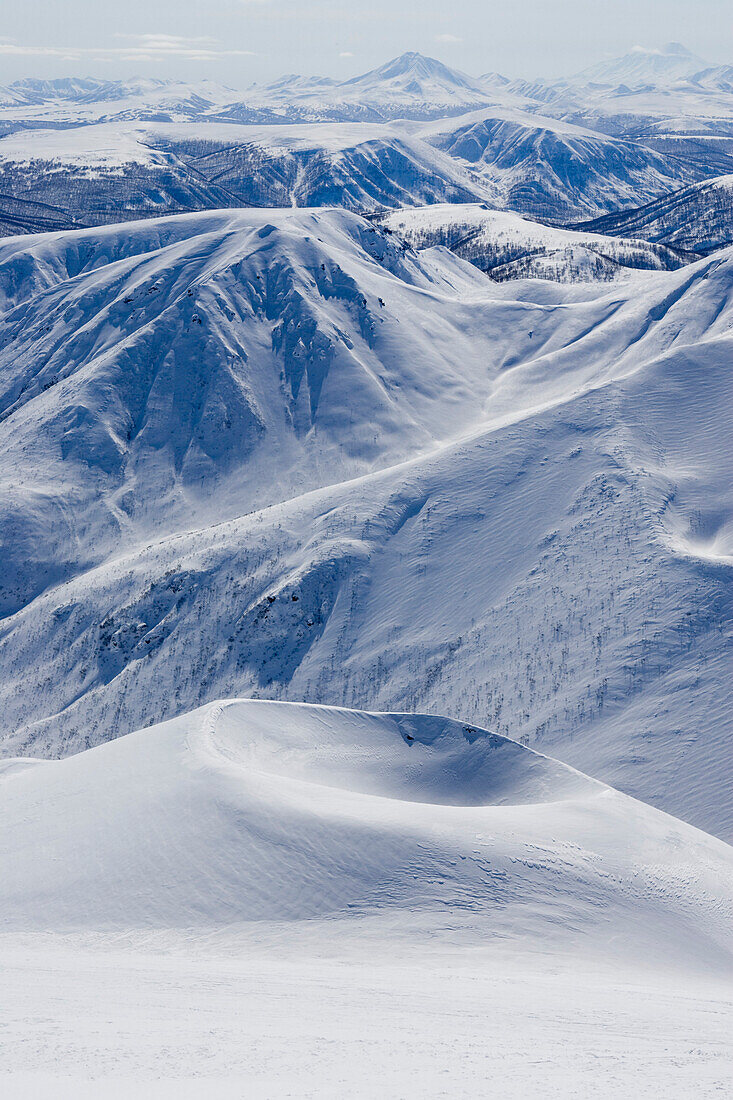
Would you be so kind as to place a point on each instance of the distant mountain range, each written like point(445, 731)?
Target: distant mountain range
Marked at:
point(409, 86)
point(619, 136)
point(642, 67)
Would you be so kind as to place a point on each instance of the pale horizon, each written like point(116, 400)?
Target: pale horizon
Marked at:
point(241, 42)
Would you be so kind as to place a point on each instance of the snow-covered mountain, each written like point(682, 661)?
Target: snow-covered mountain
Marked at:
point(538, 166)
point(362, 166)
point(507, 246)
point(718, 78)
point(220, 364)
point(81, 101)
point(697, 219)
point(553, 169)
point(414, 76)
point(277, 443)
point(117, 171)
point(642, 67)
point(327, 409)
point(411, 132)
point(410, 86)
point(213, 336)
point(84, 91)
point(283, 812)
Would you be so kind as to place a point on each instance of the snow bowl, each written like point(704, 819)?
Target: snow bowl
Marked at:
point(410, 757)
point(246, 812)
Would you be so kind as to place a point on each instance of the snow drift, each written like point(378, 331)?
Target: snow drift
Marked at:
point(251, 811)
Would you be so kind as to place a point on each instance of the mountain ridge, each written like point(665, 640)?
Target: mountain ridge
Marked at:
point(271, 578)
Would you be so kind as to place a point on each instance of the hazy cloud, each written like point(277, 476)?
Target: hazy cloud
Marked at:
point(139, 47)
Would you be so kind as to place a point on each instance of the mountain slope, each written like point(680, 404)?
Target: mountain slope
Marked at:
point(507, 246)
point(502, 442)
point(357, 166)
point(510, 158)
point(698, 219)
point(93, 175)
point(98, 174)
point(552, 169)
point(200, 343)
point(250, 811)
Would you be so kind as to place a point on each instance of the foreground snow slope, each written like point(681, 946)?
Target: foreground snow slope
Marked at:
point(332, 1020)
point(249, 811)
point(284, 900)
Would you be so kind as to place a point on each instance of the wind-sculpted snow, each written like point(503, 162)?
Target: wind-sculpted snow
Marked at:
point(472, 498)
point(251, 811)
point(311, 878)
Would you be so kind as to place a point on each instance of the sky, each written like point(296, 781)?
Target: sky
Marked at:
point(238, 42)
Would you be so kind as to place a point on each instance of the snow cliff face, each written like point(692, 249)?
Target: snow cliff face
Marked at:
point(453, 455)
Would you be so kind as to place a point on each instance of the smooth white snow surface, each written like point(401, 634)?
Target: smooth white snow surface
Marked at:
point(307, 901)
